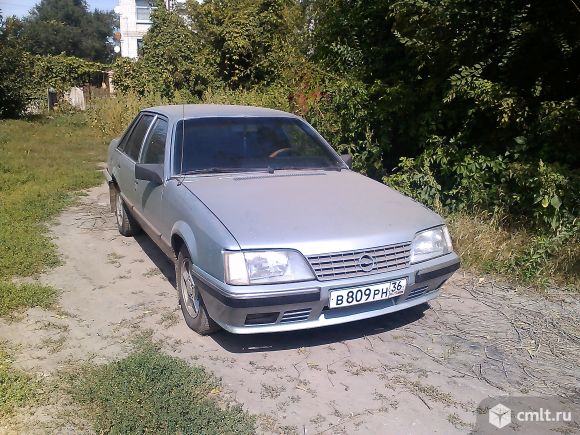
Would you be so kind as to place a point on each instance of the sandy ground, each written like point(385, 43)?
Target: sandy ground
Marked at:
point(420, 371)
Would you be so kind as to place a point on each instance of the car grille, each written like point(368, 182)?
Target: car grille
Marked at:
point(347, 264)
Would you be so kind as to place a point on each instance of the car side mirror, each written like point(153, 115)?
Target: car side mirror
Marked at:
point(347, 158)
point(149, 172)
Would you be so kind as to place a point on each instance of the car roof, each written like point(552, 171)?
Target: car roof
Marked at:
point(184, 111)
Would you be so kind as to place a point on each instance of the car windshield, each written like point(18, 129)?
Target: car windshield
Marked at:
point(248, 144)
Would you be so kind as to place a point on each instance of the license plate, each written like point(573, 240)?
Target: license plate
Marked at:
point(370, 293)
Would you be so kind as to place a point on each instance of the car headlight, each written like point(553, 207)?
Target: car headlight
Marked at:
point(430, 244)
point(265, 267)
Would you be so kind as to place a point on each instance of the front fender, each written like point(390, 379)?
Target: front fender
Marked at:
point(202, 232)
point(183, 230)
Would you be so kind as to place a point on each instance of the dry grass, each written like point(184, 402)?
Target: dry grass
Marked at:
point(484, 243)
point(111, 116)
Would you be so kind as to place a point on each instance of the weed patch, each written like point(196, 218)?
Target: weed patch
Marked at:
point(16, 387)
point(17, 296)
point(484, 243)
point(152, 392)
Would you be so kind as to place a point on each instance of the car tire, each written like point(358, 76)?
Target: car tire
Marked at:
point(190, 301)
point(126, 223)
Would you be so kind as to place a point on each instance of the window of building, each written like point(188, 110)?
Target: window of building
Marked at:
point(143, 10)
point(140, 47)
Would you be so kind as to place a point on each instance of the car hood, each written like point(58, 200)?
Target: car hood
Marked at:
point(314, 212)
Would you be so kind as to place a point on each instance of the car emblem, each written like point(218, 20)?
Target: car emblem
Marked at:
point(366, 263)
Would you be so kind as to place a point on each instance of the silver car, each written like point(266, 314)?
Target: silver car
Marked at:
point(268, 227)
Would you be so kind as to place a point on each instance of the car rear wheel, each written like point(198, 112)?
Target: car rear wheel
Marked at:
point(126, 223)
point(192, 307)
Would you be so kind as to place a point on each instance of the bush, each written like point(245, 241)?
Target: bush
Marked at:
point(111, 116)
point(541, 196)
point(507, 215)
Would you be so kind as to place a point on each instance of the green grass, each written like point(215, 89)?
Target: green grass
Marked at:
point(17, 296)
point(150, 392)
point(16, 387)
point(44, 161)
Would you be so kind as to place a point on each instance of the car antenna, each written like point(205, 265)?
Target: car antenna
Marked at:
point(180, 181)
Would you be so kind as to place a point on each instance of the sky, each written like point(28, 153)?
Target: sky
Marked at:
point(21, 7)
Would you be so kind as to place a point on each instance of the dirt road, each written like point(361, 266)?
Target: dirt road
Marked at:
point(420, 371)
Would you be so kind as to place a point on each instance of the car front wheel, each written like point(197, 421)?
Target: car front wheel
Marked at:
point(192, 307)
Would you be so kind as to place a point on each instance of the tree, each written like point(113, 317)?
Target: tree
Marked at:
point(173, 56)
point(67, 26)
point(249, 39)
point(13, 69)
point(505, 76)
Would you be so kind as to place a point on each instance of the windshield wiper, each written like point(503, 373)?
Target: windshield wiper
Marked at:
point(213, 171)
point(217, 170)
point(302, 168)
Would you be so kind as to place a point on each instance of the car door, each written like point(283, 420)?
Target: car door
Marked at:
point(129, 154)
point(150, 194)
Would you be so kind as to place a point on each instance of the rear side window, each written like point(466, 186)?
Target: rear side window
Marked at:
point(154, 148)
point(135, 139)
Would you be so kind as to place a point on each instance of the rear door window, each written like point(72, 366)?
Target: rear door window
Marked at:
point(125, 136)
point(154, 148)
point(132, 146)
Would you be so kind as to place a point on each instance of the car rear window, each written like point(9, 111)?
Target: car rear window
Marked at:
point(135, 140)
point(154, 150)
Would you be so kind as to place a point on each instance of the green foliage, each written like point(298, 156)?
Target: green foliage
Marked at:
point(60, 72)
point(24, 76)
point(274, 97)
point(128, 76)
point(172, 61)
point(16, 388)
point(67, 27)
point(42, 164)
point(173, 57)
point(497, 73)
point(246, 40)
point(13, 70)
point(535, 262)
point(339, 108)
point(450, 179)
point(149, 392)
point(14, 297)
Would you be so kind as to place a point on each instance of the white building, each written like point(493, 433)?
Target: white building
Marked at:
point(134, 21)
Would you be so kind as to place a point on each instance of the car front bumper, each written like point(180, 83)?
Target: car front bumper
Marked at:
point(290, 307)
